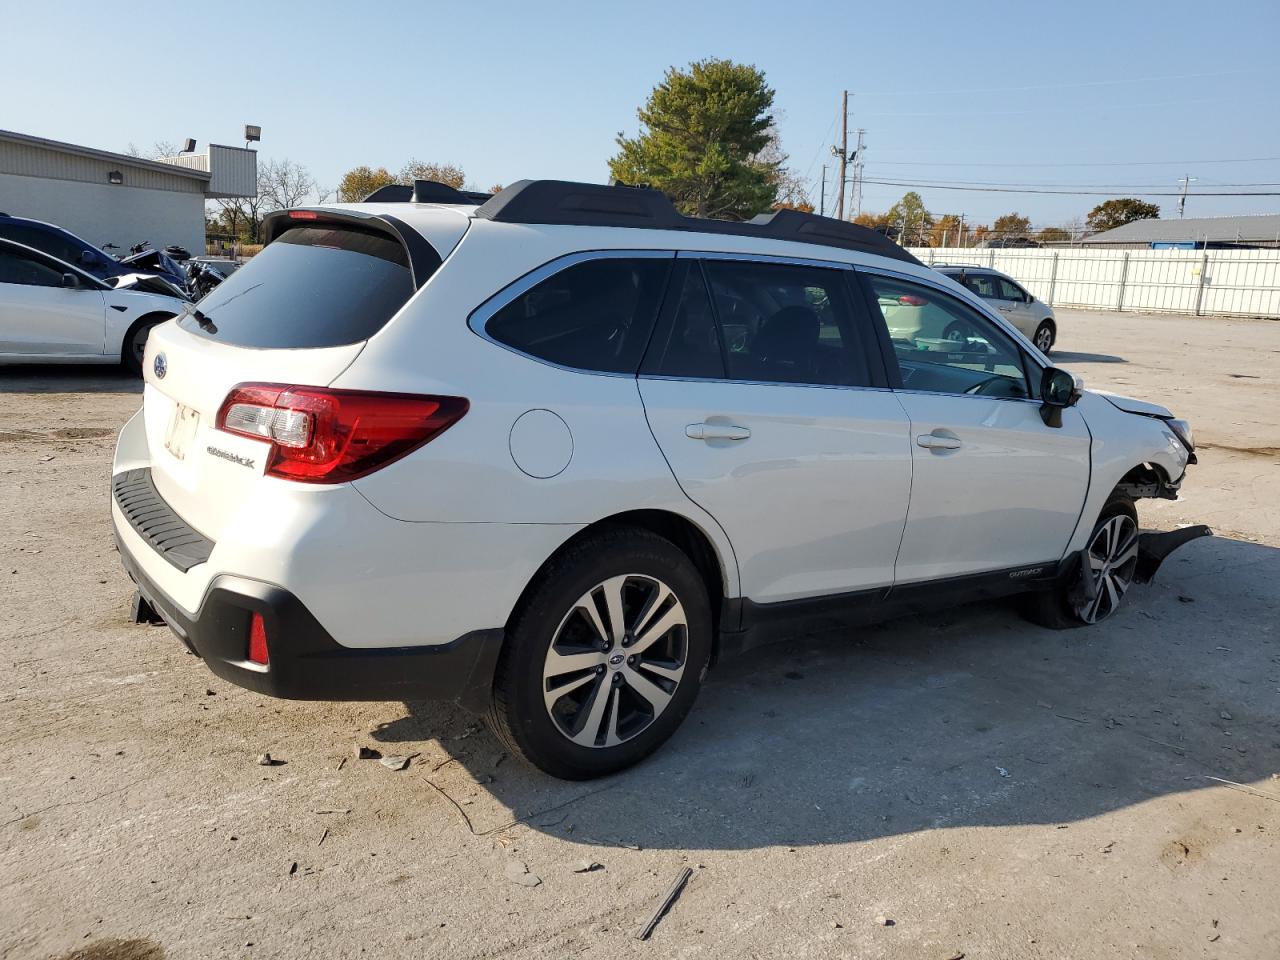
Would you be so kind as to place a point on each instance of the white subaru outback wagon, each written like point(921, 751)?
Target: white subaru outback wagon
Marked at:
point(551, 455)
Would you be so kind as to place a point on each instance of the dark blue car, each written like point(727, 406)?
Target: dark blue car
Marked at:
point(67, 247)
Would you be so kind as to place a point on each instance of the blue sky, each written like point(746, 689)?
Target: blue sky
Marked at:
point(995, 93)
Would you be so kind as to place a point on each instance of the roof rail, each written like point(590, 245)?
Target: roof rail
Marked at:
point(563, 202)
point(425, 191)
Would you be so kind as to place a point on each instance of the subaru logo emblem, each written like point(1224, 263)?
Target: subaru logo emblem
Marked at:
point(616, 659)
point(160, 366)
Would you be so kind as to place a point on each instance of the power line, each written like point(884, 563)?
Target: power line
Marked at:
point(1081, 193)
point(1103, 163)
point(1083, 186)
point(1056, 86)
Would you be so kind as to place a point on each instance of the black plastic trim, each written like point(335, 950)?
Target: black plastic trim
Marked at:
point(761, 623)
point(306, 662)
point(169, 535)
point(563, 202)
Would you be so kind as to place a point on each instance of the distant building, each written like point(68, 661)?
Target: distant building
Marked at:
point(1192, 233)
point(113, 198)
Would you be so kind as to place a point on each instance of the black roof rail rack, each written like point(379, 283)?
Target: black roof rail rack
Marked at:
point(562, 202)
point(424, 191)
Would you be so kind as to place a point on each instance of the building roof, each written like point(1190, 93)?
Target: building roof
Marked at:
point(95, 154)
point(1250, 229)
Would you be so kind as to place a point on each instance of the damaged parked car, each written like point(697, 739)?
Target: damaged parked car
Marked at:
point(52, 311)
point(552, 455)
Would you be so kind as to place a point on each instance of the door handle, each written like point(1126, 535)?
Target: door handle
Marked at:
point(932, 441)
point(716, 431)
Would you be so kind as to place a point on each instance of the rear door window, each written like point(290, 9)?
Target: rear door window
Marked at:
point(314, 286)
point(595, 315)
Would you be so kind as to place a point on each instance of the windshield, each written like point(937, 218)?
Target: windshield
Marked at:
point(315, 286)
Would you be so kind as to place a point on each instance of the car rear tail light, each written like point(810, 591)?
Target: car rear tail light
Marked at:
point(303, 215)
point(318, 435)
point(258, 640)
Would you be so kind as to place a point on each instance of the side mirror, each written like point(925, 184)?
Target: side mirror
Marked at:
point(70, 281)
point(1058, 390)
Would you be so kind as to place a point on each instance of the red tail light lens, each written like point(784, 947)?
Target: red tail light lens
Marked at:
point(258, 640)
point(319, 435)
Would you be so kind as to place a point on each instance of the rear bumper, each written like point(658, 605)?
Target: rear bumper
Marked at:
point(306, 662)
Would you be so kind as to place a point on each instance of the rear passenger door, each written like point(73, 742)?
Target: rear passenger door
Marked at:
point(766, 393)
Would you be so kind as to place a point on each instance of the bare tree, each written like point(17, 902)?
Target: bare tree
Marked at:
point(447, 173)
point(284, 183)
point(159, 150)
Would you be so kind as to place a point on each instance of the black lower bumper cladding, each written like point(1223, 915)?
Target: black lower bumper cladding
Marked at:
point(306, 662)
point(1153, 548)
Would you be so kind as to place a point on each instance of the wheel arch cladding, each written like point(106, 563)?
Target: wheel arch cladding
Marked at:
point(679, 530)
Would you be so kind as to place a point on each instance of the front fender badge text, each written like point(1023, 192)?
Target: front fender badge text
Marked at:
point(226, 455)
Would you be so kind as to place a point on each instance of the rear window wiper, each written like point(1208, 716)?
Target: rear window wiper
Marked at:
point(200, 317)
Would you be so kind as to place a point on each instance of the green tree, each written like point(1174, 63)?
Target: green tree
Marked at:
point(909, 219)
point(447, 173)
point(1116, 213)
point(1011, 226)
point(703, 141)
point(358, 182)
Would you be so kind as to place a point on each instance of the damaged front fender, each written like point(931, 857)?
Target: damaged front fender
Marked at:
point(1154, 547)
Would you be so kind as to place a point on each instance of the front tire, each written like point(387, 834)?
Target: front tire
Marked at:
point(134, 345)
point(605, 656)
point(1106, 572)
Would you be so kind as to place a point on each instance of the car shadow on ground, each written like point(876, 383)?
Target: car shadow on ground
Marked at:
point(67, 378)
point(1069, 356)
point(971, 717)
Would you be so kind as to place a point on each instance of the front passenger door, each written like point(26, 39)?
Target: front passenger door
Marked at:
point(993, 487)
point(39, 316)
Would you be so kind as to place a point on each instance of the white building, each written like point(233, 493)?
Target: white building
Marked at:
point(113, 198)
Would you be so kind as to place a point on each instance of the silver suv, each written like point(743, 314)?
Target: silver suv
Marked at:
point(1033, 317)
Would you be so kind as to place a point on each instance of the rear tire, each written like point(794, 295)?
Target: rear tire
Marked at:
point(578, 697)
point(1044, 337)
point(1109, 559)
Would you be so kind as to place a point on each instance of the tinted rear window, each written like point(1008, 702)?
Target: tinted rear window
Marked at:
point(313, 287)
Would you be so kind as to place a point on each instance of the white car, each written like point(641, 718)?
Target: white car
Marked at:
point(54, 312)
point(1033, 317)
point(552, 456)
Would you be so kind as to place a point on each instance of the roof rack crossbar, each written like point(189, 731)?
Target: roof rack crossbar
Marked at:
point(562, 202)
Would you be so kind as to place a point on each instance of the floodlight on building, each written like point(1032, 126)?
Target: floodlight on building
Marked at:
point(189, 145)
point(252, 133)
point(115, 176)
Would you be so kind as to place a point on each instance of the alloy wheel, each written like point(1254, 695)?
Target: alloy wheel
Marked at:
point(615, 660)
point(1111, 560)
point(1044, 339)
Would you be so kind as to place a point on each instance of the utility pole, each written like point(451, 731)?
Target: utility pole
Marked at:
point(857, 174)
point(822, 194)
point(1182, 199)
point(843, 152)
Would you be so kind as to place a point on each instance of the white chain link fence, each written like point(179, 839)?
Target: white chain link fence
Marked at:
point(1228, 282)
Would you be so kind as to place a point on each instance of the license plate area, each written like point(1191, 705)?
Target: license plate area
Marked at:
point(182, 430)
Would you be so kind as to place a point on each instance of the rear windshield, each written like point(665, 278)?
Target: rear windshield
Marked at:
point(316, 286)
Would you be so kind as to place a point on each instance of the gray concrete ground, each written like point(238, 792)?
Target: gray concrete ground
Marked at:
point(993, 789)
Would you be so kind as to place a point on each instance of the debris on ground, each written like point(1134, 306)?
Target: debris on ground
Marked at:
point(585, 866)
point(884, 921)
point(294, 868)
point(837, 925)
point(1224, 715)
point(396, 763)
point(1002, 771)
point(1182, 599)
point(322, 836)
point(210, 693)
point(647, 930)
point(517, 872)
point(368, 753)
point(266, 760)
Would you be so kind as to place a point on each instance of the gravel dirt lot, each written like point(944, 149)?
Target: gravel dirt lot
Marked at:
point(992, 789)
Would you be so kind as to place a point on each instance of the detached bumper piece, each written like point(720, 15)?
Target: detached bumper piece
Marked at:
point(305, 662)
point(1154, 547)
